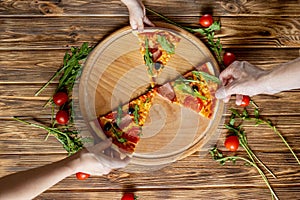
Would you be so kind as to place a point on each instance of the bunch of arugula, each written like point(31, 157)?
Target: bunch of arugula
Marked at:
point(72, 66)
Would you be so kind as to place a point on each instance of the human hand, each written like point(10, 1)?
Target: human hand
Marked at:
point(137, 14)
point(98, 160)
point(240, 78)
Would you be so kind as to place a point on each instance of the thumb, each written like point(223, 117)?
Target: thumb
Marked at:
point(222, 93)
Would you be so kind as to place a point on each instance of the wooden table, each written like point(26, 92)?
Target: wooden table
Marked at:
point(36, 34)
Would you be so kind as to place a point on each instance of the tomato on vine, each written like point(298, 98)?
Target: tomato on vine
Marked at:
point(206, 20)
point(60, 98)
point(228, 58)
point(232, 143)
point(82, 176)
point(245, 101)
point(128, 196)
point(62, 117)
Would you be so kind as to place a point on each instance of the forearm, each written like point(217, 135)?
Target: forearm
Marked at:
point(283, 77)
point(30, 183)
point(130, 3)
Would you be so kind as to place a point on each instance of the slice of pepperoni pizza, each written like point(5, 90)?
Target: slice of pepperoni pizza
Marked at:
point(124, 125)
point(157, 47)
point(194, 90)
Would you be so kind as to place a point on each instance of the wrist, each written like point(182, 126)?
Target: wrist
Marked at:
point(266, 83)
point(130, 3)
point(73, 163)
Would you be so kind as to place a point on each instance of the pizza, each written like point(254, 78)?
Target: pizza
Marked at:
point(194, 90)
point(124, 125)
point(157, 47)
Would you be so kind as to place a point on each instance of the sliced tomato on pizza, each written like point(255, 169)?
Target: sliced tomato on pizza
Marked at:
point(194, 90)
point(157, 47)
point(124, 125)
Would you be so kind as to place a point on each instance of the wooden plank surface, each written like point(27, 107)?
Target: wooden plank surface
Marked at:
point(170, 7)
point(61, 32)
point(36, 34)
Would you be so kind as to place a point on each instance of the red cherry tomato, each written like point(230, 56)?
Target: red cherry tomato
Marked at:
point(128, 196)
point(62, 117)
point(232, 143)
point(228, 58)
point(60, 98)
point(245, 101)
point(82, 176)
point(206, 20)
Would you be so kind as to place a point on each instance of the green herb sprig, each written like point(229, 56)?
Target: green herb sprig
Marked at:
point(245, 116)
point(71, 69)
point(148, 58)
point(136, 114)
point(219, 157)
point(206, 76)
point(67, 74)
point(238, 130)
point(70, 139)
point(235, 126)
point(183, 85)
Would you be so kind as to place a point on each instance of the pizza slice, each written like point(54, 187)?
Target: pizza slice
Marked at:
point(124, 125)
point(194, 90)
point(157, 47)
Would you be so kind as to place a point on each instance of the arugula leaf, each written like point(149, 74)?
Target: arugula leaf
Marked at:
point(148, 57)
point(206, 76)
point(118, 135)
point(70, 139)
point(197, 94)
point(136, 114)
point(165, 44)
point(119, 115)
point(183, 85)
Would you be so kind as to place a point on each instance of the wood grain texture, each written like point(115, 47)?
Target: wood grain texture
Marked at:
point(219, 194)
point(34, 37)
point(169, 7)
point(61, 32)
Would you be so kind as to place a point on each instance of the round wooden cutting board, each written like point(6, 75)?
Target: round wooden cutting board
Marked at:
point(115, 73)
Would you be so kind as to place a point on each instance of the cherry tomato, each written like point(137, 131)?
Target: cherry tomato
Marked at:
point(232, 143)
point(206, 20)
point(128, 196)
point(245, 101)
point(62, 117)
point(82, 176)
point(228, 58)
point(60, 98)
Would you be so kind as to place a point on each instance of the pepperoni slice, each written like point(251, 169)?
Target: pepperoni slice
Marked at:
point(156, 55)
point(132, 134)
point(167, 91)
point(194, 103)
point(125, 121)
